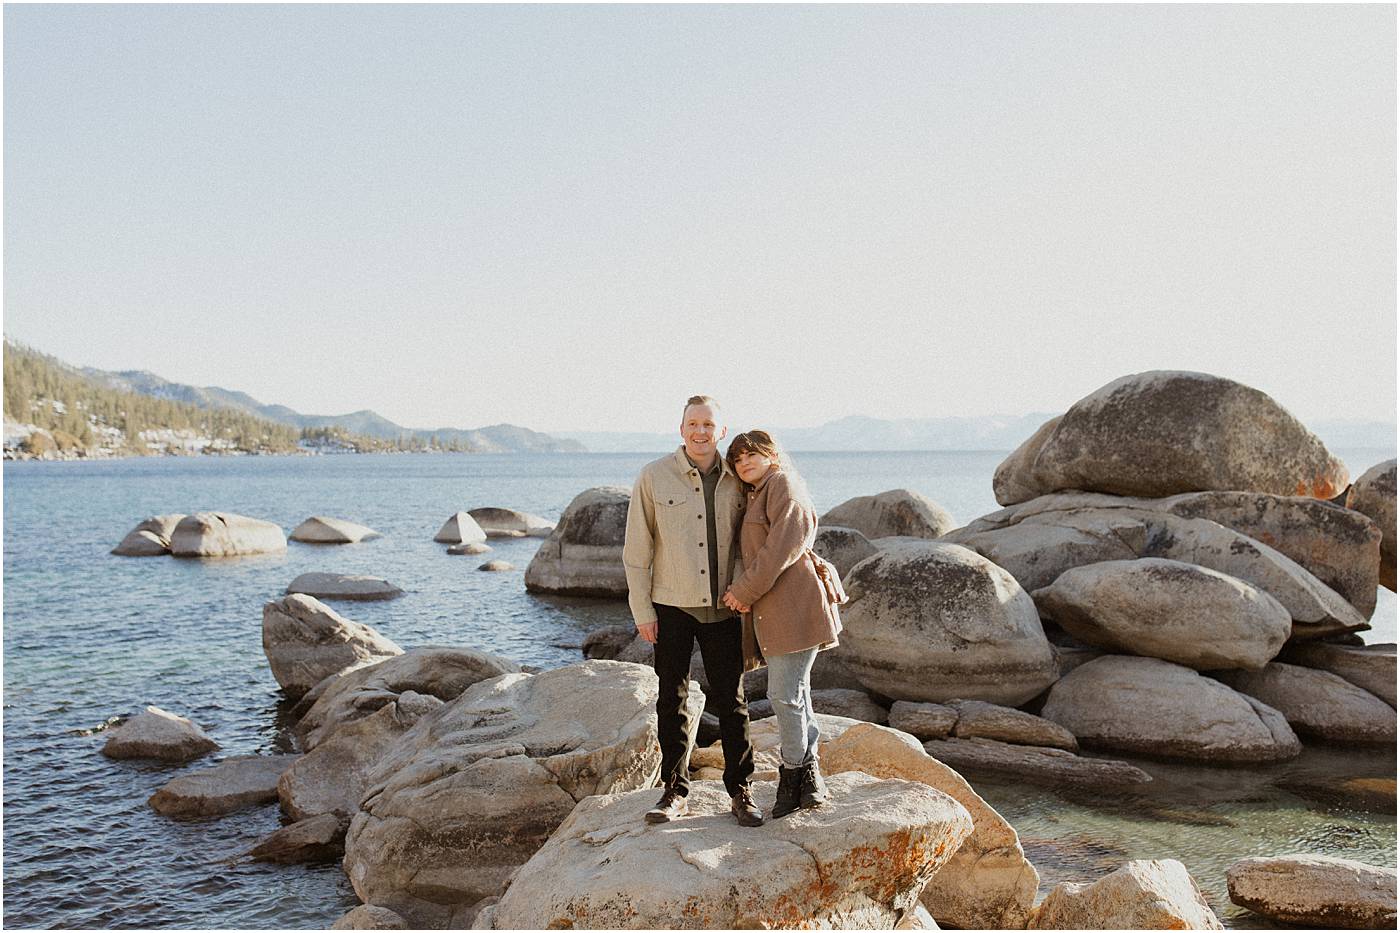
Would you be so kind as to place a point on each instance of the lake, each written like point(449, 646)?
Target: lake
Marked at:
point(88, 636)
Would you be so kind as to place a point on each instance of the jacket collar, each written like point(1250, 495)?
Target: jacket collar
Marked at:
point(763, 480)
point(683, 464)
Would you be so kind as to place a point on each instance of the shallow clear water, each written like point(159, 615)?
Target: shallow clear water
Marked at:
point(88, 635)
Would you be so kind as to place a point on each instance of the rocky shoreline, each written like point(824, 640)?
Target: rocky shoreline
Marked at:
point(1157, 607)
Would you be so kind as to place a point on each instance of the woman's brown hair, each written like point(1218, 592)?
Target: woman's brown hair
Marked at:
point(753, 442)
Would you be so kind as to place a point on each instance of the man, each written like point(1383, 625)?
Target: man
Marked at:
point(680, 546)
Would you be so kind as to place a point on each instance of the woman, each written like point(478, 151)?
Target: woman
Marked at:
point(788, 596)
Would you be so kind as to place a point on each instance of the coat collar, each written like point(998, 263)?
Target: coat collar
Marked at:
point(683, 464)
point(763, 480)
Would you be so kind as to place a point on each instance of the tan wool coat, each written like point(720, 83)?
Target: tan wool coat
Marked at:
point(790, 607)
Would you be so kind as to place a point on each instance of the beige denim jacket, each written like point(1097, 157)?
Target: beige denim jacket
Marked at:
point(664, 551)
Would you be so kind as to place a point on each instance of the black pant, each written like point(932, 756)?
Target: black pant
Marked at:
point(722, 650)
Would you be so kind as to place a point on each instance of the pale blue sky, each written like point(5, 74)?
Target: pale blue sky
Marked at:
point(574, 217)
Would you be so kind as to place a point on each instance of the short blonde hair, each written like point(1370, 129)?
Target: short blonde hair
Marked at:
point(699, 400)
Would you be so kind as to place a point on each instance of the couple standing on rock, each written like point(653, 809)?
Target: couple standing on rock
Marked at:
point(764, 598)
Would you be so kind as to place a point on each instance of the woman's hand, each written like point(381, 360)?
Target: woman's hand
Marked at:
point(733, 603)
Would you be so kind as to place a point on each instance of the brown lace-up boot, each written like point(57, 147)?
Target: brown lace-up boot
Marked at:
point(671, 806)
point(744, 809)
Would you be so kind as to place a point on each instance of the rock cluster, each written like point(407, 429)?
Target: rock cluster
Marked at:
point(151, 538)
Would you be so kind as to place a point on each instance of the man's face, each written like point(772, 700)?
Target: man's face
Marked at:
point(701, 430)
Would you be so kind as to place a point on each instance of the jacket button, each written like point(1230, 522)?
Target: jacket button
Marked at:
point(699, 516)
point(702, 573)
point(670, 501)
point(702, 544)
point(697, 488)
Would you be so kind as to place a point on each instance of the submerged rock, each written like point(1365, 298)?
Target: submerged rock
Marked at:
point(1152, 707)
point(583, 555)
point(320, 529)
point(343, 586)
point(1373, 495)
point(930, 621)
point(1318, 704)
point(154, 733)
point(247, 780)
point(369, 917)
point(497, 566)
point(894, 512)
point(307, 641)
point(859, 862)
point(224, 534)
point(1156, 894)
point(472, 791)
point(475, 547)
point(460, 528)
point(508, 523)
point(1317, 891)
point(1164, 432)
point(1169, 610)
point(151, 538)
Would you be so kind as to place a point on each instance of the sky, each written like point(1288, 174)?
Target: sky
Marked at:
point(572, 218)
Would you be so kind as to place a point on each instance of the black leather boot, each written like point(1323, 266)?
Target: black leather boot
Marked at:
point(789, 791)
point(812, 790)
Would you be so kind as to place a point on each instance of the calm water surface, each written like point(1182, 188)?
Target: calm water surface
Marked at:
point(88, 635)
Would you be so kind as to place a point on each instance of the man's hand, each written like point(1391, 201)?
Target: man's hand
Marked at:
point(648, 632)
point(733, 603)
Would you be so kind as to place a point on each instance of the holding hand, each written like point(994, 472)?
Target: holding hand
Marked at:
point(648, 632)
point(733, 603)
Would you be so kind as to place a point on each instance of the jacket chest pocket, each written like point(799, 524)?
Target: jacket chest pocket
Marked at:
point(670, 500)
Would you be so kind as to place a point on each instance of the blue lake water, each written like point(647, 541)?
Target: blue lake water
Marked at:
point(88, 635)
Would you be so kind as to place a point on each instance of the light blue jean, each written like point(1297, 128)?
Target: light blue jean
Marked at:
point(790, 692)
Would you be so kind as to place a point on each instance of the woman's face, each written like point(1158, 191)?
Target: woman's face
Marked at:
point(751, 465)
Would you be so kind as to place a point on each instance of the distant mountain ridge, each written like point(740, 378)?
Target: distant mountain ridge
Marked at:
point(989, 432)
point(496, 438)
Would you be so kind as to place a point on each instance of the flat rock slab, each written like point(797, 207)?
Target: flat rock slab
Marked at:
point(1316, 891)
point(1052, 767)
point(154, 733)
point(224, 534)
point(980, 720)
point(853, 704)
point(320, 838)
point(306, 641)
point(321, 529)
point(460, 528)
point(1156, 894)
point(509, 523)
point(343, 586)
point(151, 538)
point(859, 862)
point(244, 781)
point(923, 720)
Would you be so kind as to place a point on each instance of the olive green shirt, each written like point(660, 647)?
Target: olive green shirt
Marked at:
point(715, 611)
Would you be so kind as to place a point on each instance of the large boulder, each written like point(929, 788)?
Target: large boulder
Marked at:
point(460, 528)
point(343, 586)
point(1316, 891)
point(154, 733)
point(1338, 546)
point(472, 791)
point(1370, 667)
point(223, 534)
point(988, 883)
point(1152, 707)
point(151, 538)
point(894, 512)
point(306, 641)
point(1163, 432)
point(931, 621)
point(1155, 894)
point(1373, 495)
point(508, 523)
point(843, 547)
point(1035, 764)
point(321, 529)
point(583, 555)
point(234, 783)
point(859, 862)
point(1170, 610)
point(440, 673)
point(1318, 704)
point(1038, 541)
